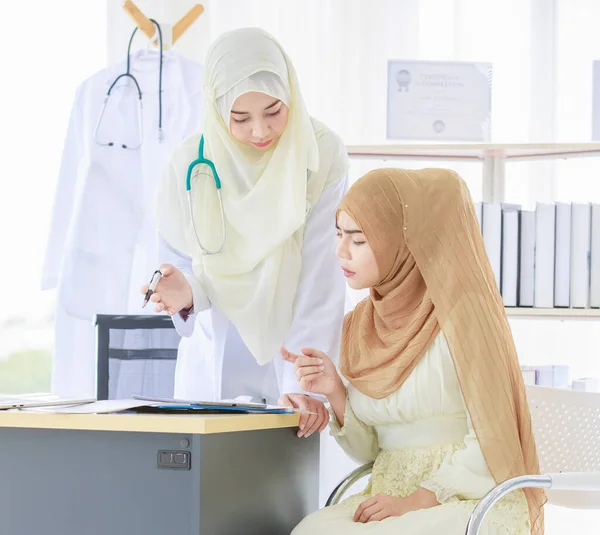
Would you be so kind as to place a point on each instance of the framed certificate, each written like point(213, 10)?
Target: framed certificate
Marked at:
point(439, 100)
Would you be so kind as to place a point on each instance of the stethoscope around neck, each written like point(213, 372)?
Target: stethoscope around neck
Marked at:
point(201, 160)
point(127, 74)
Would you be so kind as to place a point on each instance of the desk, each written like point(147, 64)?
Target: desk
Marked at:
point(80, 474)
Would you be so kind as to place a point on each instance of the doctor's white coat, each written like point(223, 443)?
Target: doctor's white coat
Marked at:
point(214, 363)
point(102, 244)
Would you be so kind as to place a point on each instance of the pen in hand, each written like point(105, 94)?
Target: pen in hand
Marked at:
point(156, 276)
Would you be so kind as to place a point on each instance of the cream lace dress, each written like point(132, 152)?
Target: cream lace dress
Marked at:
point(419, 436)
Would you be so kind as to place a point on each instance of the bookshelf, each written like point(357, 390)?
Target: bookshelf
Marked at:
point(554, 313)
point(475, 151)
point(493, 158)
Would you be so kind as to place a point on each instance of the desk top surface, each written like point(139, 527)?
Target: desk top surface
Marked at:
point(148, 423)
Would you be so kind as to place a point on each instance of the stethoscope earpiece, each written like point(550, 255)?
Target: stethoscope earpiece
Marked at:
point(127, 74)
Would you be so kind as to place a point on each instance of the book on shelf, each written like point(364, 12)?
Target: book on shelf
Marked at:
point(510, 255)
point(580, 253)
point(562, 260)
point(595, 257)
point(545, 221)
point(526, 258)
point(492, 236)
point(545, 258)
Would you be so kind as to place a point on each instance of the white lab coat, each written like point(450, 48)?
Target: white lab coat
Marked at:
point(102, 244)
point(213, 363)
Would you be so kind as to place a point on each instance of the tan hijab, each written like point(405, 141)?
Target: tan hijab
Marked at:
point(436, 275)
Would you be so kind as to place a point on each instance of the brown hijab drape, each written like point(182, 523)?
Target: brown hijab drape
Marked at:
point(436, 275)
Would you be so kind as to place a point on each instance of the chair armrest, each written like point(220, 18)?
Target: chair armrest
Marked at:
point(583, 481)
point(353, 477)
point(498, 492)
point(565, 481)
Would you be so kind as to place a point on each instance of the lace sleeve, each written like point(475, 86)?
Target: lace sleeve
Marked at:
point(357, 439)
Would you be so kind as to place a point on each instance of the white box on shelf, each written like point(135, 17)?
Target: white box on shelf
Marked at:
point(586, 384)
point(529, 375)
point(554, 376)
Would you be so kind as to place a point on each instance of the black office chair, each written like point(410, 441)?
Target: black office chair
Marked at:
point(136, 356)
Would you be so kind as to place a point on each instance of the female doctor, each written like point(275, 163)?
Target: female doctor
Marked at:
point(274, 281)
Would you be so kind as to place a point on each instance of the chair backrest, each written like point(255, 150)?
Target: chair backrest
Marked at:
point(136, 356)
point(566, 426)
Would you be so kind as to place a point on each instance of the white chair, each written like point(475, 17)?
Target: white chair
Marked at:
point(566, 426)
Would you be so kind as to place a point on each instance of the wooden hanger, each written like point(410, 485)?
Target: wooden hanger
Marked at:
point(147, 27)
point(186, 21)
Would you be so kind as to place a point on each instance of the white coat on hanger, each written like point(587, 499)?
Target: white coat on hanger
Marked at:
point(103, 244)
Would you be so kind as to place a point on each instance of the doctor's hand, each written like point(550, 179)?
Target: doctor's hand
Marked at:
point(315, 371)
point(309, 423)
point(173, 292)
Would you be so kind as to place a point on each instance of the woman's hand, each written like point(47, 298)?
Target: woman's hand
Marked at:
point(315, 371)
point(315, 416)
point(382, 506)
point(173, 292)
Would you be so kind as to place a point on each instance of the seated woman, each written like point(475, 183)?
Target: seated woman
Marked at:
point(435, 394)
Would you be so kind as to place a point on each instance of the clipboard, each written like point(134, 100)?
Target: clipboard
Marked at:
point(205, 404)
point(214, 407)
point(207, 409)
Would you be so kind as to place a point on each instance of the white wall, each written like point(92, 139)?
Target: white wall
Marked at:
point(45, 57)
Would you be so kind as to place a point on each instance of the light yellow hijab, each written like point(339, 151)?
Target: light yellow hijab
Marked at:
point(266, 196)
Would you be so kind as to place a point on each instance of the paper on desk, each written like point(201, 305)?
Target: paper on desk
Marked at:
point(98, 407)
point(119, 405)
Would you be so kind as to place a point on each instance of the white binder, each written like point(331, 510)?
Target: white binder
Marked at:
point(580, 254)
point(595, 258)
point(479, 214)
point(492, 236)
point(545, 222)
point(510, 255)
point(562, 261)
point(526, 258)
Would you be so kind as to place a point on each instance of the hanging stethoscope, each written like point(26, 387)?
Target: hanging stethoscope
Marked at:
point(201, 160)
point(127, 74)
